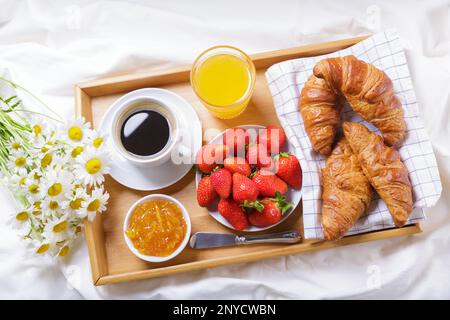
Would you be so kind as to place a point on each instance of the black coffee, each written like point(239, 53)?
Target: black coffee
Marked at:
point(145, 133)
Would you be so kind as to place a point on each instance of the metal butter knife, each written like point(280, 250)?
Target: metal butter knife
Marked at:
point(204, 240)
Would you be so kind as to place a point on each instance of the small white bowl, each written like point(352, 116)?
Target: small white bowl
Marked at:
point(182, 245)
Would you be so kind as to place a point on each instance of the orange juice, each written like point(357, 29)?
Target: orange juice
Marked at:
point(223, 78)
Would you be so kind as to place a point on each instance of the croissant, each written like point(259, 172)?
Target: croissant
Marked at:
point(346, 192)
point(384, 169)
point(369, 92)
point(320, 108)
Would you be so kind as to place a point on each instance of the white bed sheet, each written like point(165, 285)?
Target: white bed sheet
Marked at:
point(50, 45)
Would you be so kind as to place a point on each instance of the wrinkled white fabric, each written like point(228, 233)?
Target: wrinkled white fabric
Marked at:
point(51, 45)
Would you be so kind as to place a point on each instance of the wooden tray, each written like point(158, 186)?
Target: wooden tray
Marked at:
point(111, 260)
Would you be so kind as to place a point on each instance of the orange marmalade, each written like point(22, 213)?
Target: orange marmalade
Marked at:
point(157, 228)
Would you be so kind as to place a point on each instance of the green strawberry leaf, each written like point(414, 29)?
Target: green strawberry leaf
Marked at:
point(257, 205)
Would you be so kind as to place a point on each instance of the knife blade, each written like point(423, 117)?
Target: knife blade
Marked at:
point(204, 240)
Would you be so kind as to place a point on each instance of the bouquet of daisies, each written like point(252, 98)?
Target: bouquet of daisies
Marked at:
point(56, 171)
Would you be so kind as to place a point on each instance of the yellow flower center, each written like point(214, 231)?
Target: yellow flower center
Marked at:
point(97, 142)
point(46, 160)
point(22, 181)
point(36, 176)
point(75, 133)
point(33, 188)
point(76, 203)
point(60, 227)
point(20, 161)
point(43, 248)
point(53, 205)
point(22, 216)
point(64, 251)
point(77, 151)
point(15, 145)
point(37, 205)
point(55, 189)
point(93, 166)
point(94, 205)
point(37, 129)
point(44, 149)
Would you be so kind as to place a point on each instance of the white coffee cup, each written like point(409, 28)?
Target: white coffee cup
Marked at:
point(134, 105)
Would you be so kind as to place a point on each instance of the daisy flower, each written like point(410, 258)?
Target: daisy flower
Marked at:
point(38, 128)
point(76, 151)
point(21, 222)
point(95, 203)
point(35, 175)
point(57, 183)
point(52, 207)
point(44, 144)
point(18, 160)
point(91, 166)
point(33, 190)
point(18, 180)
point(45, 160)
point(75, 131)
point(58, 230)
point(14, 145)
point(75, 202)
point(96, 139)
point(41, 247)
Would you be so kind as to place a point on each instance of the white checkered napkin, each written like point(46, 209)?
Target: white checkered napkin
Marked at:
point(384, 50)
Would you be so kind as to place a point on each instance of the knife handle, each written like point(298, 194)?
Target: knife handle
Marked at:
point(291, 236)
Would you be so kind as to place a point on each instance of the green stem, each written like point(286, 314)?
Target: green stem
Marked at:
point(15, 85)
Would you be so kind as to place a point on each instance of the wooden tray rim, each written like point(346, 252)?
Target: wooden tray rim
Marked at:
point(122, 83)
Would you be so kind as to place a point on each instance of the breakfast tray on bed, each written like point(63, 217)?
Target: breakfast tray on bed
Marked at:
point(111, 260)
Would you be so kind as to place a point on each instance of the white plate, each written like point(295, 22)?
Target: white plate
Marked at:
point(292, 195)
point(158, 177)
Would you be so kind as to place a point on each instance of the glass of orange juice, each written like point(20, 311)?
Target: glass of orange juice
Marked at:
point(223, 77)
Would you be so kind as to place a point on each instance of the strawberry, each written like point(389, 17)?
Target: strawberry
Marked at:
point(257, 155)
point(236, 139)
point(268, 210)
point(221, 151)
point(268, 183)
point(273, 138)
point(221, 181)
point(205, 192)
point(237, 164)
point(288, 169)
point(234, 214)
point(210, 155)
point(244, 188)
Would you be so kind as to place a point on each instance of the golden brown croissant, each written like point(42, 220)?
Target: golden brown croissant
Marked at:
point(384, 169)
point(369, 92)
point(346, 192)
point(320, 107)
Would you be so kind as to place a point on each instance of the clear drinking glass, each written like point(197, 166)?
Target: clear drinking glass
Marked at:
point(223, 78)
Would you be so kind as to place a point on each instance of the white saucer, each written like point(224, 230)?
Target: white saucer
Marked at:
point(157, 177)
point(292, 195)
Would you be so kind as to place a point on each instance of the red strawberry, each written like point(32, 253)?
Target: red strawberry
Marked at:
point(236, 139)
point(244, 188)
point(257, 155)
point(288, 169)
point(268, 183)
point(273, 138)
point(221, 181)
point(234, 214)
point(237, 164)
point(205, 192)
point(268, 210)
point(210, 155)
point(221, 152)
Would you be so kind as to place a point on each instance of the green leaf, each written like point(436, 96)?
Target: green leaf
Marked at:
point(257, 205)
